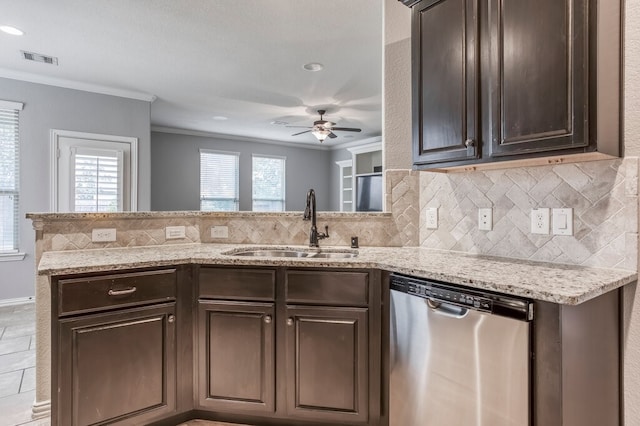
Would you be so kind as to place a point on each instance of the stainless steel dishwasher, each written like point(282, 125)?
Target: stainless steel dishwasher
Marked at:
point(458, 357)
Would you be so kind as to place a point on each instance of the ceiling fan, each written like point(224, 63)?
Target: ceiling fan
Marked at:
point(322, 128)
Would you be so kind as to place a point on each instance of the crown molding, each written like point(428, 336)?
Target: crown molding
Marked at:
point(76, 85)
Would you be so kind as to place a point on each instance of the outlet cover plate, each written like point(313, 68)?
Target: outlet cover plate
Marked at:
point(562, 221)
point(219, 232)
point(540, 221)
point(485, 219)
point(432, 218)
point(174, 232)
point(103, 235)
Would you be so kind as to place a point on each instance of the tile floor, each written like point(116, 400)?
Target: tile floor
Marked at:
point(17, 365)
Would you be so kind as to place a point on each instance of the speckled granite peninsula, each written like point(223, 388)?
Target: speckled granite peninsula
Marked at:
point(564, 284)
point(388, 241)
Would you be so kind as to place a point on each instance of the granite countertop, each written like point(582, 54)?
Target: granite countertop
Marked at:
point(558, 283)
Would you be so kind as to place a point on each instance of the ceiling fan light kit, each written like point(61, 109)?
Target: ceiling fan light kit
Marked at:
point(322, 129)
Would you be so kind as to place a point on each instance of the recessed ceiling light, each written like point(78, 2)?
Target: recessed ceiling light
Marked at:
point(220, 117)
point(11, 30)
point(313, 66)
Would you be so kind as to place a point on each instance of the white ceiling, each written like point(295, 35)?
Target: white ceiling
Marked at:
point(240, 59)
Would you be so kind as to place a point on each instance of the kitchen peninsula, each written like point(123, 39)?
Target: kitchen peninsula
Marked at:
point(189, 281)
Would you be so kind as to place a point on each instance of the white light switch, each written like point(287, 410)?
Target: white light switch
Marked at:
point(103, 235)
point(432, 218)
point(174, 232)
point(562, 221)
point(219, 232)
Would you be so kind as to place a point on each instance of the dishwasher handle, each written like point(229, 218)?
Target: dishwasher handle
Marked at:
point(446, 309)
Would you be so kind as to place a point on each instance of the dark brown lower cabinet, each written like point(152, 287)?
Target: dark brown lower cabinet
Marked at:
point(117, 367)
point(236, 356)
point(327, 374)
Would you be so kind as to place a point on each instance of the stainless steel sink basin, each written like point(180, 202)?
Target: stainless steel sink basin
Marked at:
point(332, 255)
point(309, 254)
point(271, 253)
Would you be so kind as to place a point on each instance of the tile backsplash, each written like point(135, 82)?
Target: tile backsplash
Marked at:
point(603, 195)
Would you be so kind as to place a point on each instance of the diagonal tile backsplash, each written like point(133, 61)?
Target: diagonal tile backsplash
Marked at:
point(603, 194)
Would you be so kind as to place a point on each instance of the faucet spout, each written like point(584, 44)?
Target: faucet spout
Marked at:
point(310, 214)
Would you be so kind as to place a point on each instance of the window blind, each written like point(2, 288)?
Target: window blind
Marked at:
point(9, 178)
point(268, 183)
point(219, 181)
point(97, 180)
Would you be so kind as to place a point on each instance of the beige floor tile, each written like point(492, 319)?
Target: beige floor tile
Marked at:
point(18, 344)
point(10, 383)
point(28, 380)
point(17, 361)
point(18, 330)
point(16, 409)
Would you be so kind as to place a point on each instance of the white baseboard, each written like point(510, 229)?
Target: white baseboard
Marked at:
point(18, 301)
point(41, 409)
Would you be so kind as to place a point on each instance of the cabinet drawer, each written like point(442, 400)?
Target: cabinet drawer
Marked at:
point(328, 288)
point(237, 284)
point(106, 291)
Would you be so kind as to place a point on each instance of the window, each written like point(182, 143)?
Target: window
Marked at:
point(219, 179)
point(268, 183)
point(9, 176)
point(93, 173)
point(97, 180)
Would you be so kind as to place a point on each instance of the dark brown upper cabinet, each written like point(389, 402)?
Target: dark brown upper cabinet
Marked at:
point(527, 80)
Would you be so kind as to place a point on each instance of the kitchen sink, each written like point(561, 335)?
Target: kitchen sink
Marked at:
point(271, 253)
point(308, 254)
point(333, 255)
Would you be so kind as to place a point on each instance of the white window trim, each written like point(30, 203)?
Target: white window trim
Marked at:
point(55, 137)
point(11, 105)
point(12, 257)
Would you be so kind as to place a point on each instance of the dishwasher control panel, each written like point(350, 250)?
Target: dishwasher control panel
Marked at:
point(469, 298)
point(445, 295)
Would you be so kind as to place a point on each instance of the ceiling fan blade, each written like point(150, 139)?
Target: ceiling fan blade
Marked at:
point(332, 135)
point(299, 127)
point(296, 134)
point(346, 129)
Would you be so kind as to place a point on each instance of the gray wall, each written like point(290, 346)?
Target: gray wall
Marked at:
point(175, 171)
point(46, 108)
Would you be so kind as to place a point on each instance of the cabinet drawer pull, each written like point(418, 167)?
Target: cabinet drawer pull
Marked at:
point(171, 318)
point(267, 319)
point(289, 321)
point(122, 292)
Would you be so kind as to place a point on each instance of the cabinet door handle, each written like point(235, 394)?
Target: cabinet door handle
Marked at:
point(289, 321)
point(267, 319)
point(469, 142)
point(122, 292)
point(171, 318)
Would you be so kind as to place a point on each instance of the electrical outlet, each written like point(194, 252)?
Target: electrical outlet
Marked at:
point(485, 219)
point(174, 232)
point(562, 221)
point(219, 232)
point(103, 235)
point(540, 221)
point(432, 218)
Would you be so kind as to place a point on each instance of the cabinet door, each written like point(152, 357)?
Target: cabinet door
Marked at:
point(117, 368)
point(236, 356)
point(537, 69)
point(445, 74)
point(327, 364)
